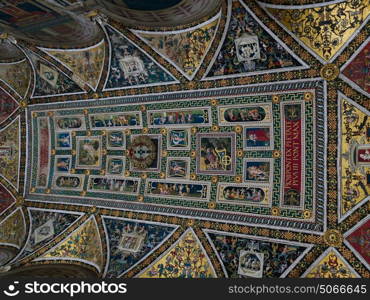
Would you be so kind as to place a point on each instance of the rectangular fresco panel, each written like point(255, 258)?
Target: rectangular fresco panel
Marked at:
point(243, 115)
point(197, 116)
point(66, 123)
point(116, 120)
point(294, 153)
point(178, 190)
point(113, 185)
point(244, 194)
point(43, 169)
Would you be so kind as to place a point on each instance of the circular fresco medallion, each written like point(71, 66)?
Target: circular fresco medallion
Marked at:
point(142, 152)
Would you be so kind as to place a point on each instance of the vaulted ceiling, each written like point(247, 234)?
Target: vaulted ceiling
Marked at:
point(234, 134)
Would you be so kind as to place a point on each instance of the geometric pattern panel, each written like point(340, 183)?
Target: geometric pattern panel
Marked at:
point(130, 242)
point(131, 66)
point(247, 48)
point(184, 49)
point(244, 256)
point(324, 30)
point(354, 155)
point(251, 155)
point(185, 259)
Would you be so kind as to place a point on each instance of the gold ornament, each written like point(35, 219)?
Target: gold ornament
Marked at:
point(333, 238)
point(238, 179)
point(215, 128)
point(212, 205)
point(329, 72)
point(276, 153)
point(275, 99)
point(308, 96)
point(140, 198)
point(238, 129)
point(275, 211)
point(307, 214)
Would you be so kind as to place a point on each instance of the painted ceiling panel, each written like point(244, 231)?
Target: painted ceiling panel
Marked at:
point(184, 49)
point(17, 76)
point(86, 64)
point(185, 259)
point(84, 245)
point(45, 226)
point(49, 80)
point(131, 66)
point(6, 199)
point(256, 258)
point(330, 265)
point(247, 47)
point(324, 29)
point(357, 69)
point(130, 242)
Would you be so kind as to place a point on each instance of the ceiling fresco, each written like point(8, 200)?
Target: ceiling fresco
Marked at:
point(233, 143)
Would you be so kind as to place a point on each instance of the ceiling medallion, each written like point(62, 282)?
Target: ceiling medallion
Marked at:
point(142, 152)
point(333, 238)
point(329, 72)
